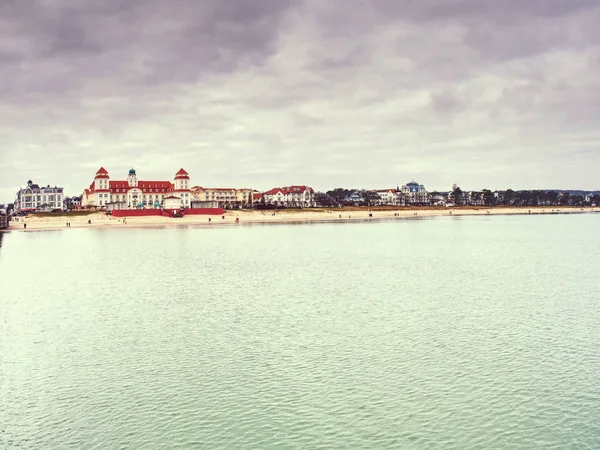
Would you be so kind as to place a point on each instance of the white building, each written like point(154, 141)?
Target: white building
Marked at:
point(388, 196)
point(290, 196)
point(135, 194)
point(225, 197)
point(413, 193)
point(172, 202)
point(35, 197)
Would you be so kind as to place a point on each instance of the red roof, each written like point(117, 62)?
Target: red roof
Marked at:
point(181, 174)
point(289, 190)
point(119, 186)
point(154, 184)
point(102, 173)
point(198, 188)
point(256, 196)
point(273, 191)
point(298, 188)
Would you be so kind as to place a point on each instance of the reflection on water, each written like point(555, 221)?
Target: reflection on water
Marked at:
point(445, 333)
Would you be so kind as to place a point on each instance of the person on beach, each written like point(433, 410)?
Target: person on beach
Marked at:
point(24, 226)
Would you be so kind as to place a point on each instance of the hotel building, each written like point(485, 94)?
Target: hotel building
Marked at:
point(35, 197)
point(224, 197)
point(413, 193)
point(290, 196)
point(137, 194)
point(388, 196)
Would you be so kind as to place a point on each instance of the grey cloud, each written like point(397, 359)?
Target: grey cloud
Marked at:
point(447, 103)
point(145, 41)
point(493, 11)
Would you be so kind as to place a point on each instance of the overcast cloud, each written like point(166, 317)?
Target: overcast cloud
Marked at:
point(262, 93)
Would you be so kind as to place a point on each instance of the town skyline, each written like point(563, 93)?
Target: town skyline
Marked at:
point(352, 187)
point(356, 185)
point(481, 93)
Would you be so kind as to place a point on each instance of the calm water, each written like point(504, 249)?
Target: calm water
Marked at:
point(454, 333)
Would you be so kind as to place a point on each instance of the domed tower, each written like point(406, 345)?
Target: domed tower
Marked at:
point(182, 180)
point(182, 188)
point(132, 178)
point(101, 180)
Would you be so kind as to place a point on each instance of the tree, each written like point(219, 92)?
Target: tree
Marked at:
point(371, 198)
point(488, 197)
point(542, 198)
point(577, 200)
point(339, 195)
point(323, 199)
point(476, 197)
point(552, 197)
point(509, 197)
point(457, 196)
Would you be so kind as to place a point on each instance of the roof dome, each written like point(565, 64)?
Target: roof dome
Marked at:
point(132, 171)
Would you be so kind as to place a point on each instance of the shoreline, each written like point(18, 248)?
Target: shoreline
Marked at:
point(323, 215)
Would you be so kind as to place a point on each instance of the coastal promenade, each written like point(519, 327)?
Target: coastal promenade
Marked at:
point(102, 220)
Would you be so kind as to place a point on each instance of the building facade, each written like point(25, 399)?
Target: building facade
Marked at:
point(136, 194)
point(388, 196)
point(71, 203)
point(290, 196)
point(355, 198)
point(224, 197)
point(413, 193)
point(33, 197)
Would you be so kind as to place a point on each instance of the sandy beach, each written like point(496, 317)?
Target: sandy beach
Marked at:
point(102, 220)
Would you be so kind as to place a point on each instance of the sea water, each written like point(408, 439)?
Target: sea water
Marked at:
point(454, 333)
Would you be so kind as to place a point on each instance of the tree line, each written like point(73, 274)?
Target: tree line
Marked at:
point(485, 197)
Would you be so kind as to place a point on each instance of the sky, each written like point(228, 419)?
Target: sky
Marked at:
point(339, 93)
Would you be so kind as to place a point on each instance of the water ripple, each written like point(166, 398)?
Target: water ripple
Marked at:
point(465, 334)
